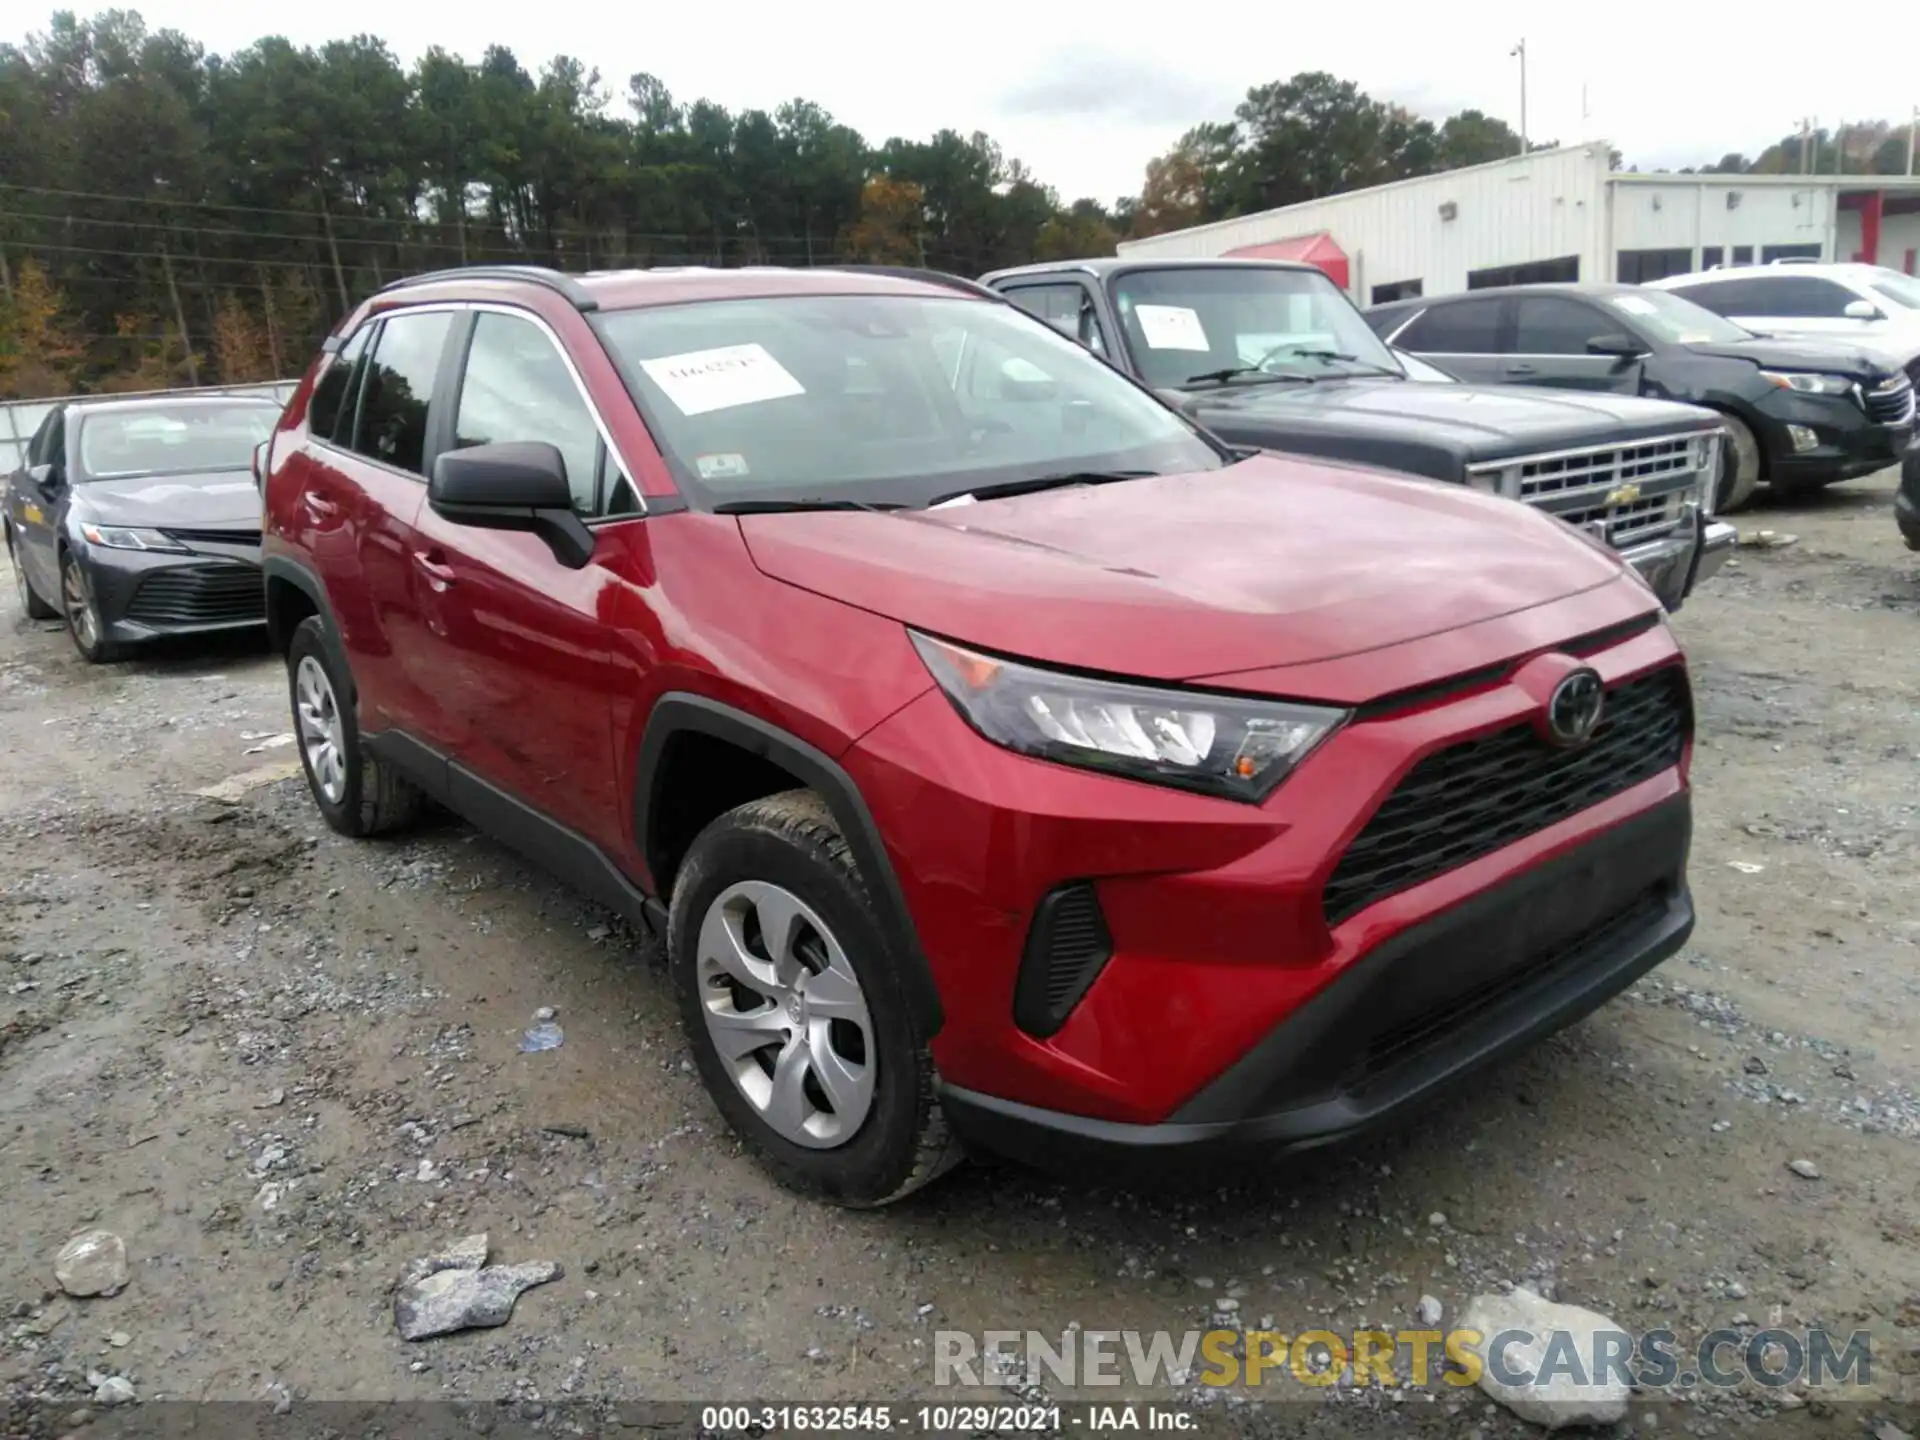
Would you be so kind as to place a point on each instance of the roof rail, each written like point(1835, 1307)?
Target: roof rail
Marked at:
point(577, 295)
point(930, 277)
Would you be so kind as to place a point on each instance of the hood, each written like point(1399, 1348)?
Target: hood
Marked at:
point(215, 500)
point(1434, 430)
point(1270, 562)
point(1832, 358)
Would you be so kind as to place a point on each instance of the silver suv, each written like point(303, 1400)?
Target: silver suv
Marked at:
point(1870, 304)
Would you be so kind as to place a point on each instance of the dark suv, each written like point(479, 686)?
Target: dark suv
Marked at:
point(1273, 354)
point(1800, 413)
point(1003, 758)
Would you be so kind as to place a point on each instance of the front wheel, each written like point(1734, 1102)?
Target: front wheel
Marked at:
point(792, 1002)
point(356, 794)
point(84, 626)
point(1739, 467)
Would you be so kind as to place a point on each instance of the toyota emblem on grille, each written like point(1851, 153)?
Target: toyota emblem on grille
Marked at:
point(1573, 709)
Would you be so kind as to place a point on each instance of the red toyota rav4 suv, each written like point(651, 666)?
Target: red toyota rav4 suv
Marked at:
point(1005, 760)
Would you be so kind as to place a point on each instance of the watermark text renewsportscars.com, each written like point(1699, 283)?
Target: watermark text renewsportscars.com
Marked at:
point(1650, 1360)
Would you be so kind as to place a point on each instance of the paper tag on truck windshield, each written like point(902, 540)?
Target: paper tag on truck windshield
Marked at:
point(1171, 327)
point(703, 380)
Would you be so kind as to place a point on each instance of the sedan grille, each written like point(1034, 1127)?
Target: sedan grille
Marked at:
point(1473, 798)
point(1891, 402)
point(199, 595)
point(214, 537)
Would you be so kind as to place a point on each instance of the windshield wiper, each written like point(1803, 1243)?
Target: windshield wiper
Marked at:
point(1235, 372)
point(1329, 356)
point(1042, 482)
point(805, 502)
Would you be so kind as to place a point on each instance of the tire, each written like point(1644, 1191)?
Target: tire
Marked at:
point(1739, 467)
point(841, 1106)
point(84, 626)
point(356, 794)
point(31, 605)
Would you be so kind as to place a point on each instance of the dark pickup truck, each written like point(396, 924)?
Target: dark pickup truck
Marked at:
point(1273, 355)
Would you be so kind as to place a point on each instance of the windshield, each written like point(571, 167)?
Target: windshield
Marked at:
point(1677, 320)
point(172, 439)
point(1197, 320)
point(1901, 289)
point(883, 399)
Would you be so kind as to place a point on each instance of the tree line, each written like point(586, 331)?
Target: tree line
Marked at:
point(170, 216)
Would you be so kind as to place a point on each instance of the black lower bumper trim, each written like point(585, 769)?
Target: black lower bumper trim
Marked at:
point(1405, 1022)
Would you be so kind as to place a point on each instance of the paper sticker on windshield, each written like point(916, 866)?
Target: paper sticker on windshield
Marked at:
point(720, 467)
point(1633, 304)
point(703, 380)
point(1171, 327)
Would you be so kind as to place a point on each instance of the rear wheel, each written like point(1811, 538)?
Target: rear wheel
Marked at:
point(357, 795)
point(1739, 467)
point(31, 605)
point(793, 1005)
point(84, 626)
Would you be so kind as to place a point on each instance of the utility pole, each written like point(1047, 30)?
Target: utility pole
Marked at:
point(1839, 148)
point(1913, 134)
point(1806, 138)
point(179, 318)
point(1521, 50)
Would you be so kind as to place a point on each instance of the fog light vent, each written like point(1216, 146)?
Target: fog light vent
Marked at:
point(1066, 950)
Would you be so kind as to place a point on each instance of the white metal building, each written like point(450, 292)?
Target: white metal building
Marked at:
point(1564, 215)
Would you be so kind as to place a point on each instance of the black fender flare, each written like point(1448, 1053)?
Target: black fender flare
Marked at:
point(280, 567)
point(678, 712)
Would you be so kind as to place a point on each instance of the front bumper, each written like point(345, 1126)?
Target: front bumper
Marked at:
point(1849, 443)
point(1677, 562)
point(1217, 913)
point(145, 594)
point(1407, 1021)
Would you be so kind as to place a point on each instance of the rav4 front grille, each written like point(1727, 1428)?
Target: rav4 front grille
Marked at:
point(1476, 797)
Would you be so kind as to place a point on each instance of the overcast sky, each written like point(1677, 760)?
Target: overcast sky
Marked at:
point(1085, 105)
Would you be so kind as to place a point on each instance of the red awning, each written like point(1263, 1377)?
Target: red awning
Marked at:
point(1316, 249)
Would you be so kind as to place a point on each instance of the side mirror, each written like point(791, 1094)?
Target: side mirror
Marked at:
point(1863, 310)
point(260, 463)
point(45, 478)
point(1619, 345)
point(514, 485)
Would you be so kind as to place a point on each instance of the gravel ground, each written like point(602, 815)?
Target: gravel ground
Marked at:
point(281, 1065)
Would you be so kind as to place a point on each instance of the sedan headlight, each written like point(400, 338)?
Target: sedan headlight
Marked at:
point(1222, 745)
point(126, 537)
point(1807, 382)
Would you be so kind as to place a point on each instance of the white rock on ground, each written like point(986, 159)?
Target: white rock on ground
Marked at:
point(113, 1390)
point(1562, 1399)
point(457, 1290)
point(94, 1262)
point(1428, 1311)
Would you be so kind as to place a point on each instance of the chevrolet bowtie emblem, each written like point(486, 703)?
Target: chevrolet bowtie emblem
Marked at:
point(1624, 495)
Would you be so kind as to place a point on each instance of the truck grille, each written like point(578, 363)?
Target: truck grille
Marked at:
point(1626, 493)
point(1478, 796)
point(1891, 402)
point(199, 595)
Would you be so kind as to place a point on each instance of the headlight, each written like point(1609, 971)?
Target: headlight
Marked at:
point(1214, 744)
point(1808, 383)
point(123, 537)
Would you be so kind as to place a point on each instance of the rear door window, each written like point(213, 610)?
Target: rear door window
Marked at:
point(1471, 327)
point(392, 423)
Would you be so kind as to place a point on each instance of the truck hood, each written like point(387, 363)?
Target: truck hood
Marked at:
point(214, 500)
point(1270, 562)
point(1433, 430)
point(1833, 358)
